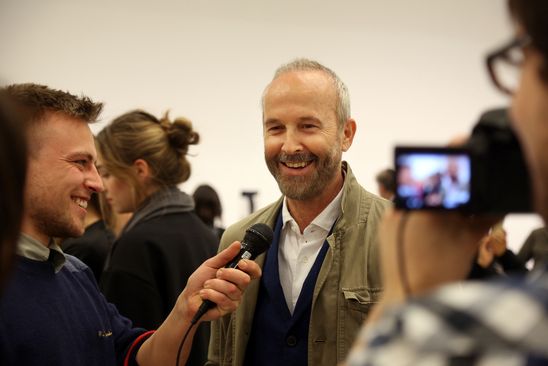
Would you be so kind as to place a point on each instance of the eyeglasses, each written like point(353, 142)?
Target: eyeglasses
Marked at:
point(504, 64)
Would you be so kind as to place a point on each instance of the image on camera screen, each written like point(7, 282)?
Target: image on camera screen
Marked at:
point(437, 180)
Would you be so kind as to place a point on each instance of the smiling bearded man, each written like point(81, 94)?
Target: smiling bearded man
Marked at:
point(321, 274)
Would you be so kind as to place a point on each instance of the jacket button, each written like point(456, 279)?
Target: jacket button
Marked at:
point(291, 341)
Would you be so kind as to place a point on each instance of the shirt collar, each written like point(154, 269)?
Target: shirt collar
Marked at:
point(30, 248)
point(324, 220)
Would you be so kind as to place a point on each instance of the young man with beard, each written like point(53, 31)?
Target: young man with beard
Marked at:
point(501, 322)
point(51, 312)
point(321, 274)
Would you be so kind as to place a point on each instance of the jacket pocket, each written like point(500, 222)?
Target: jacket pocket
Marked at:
point(360, 299)
point(358, 303)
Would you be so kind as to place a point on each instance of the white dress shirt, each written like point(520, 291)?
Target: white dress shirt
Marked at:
point(297, 252)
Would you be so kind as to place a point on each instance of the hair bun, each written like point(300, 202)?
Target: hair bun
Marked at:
point(180, 133)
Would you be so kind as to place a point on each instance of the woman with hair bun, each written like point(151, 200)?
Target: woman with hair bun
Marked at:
point(142, 159)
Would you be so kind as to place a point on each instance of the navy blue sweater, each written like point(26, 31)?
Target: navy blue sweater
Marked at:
point(49, 318)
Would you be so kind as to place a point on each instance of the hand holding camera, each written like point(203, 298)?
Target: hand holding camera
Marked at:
point(448, 198)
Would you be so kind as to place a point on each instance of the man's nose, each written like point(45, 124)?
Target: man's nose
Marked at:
point(292, 142)
point(93, 181)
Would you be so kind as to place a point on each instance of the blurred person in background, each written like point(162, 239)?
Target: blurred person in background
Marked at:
point(208, 207)
point(114, 221)
point(535, 247)
point(386, 183)
point(142, 159)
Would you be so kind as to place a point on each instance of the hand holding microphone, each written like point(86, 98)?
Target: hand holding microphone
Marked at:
point(257, 239)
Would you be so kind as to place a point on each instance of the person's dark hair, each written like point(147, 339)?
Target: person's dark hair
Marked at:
point(13, 165)
point(387, 178)
point(162, 143)
point(532, 15)
point(207, 203)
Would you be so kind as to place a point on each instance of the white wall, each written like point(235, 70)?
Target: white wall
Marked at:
point(415, 70)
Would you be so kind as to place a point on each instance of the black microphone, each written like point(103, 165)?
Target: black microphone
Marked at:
point(257, 239)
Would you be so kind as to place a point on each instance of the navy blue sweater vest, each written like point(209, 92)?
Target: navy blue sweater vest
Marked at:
point(277, 337)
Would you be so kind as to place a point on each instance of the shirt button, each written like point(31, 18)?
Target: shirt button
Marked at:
point(291, 341)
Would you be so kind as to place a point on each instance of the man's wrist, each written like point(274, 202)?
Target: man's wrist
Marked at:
point(184, 312)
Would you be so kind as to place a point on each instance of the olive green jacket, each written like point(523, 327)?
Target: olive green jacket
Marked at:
point(348, 284)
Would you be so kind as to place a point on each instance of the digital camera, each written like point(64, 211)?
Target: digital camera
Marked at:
point(486, 175)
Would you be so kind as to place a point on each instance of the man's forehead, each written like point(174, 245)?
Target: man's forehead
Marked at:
point(65, 134)
point(306, 86)
point(307, 89)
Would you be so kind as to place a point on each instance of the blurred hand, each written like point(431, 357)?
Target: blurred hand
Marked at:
point(497, 240)
point(485, 252)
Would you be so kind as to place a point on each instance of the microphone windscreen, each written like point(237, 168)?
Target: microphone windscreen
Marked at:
point(257, 238)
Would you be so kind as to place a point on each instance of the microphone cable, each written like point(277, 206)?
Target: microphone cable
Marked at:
point(192, 323)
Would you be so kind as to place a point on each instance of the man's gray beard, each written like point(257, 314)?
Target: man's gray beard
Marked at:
point(300, 188)
point(304, 188)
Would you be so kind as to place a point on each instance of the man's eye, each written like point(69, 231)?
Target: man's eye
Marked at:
point(81, 162)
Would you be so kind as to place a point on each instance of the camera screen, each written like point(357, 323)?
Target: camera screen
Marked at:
point(432, 178)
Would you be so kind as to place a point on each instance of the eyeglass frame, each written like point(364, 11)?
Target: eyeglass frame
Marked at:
point(520, 42)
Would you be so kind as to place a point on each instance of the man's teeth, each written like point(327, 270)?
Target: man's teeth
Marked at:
point(296, 165)
point(81, 202)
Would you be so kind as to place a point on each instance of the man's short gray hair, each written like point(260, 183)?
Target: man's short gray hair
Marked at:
point(342, 107)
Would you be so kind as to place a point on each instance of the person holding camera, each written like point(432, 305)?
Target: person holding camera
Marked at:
point(504, 322)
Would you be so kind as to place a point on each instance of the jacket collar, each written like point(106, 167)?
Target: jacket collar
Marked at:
point(163, 202)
